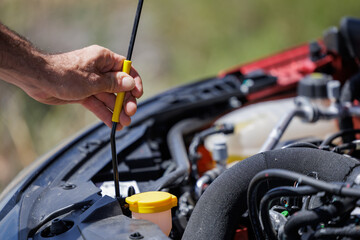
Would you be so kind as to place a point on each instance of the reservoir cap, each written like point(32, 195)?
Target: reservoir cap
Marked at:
point(151, 202)
point(314, 86)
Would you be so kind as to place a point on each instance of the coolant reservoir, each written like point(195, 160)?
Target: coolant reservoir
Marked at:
point(154, 207)
point(254, 123)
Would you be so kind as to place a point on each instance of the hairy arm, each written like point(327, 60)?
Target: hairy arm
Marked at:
point(88, 76)
point(20, 63)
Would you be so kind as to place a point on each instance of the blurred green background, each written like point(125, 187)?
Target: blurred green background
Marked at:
point(178, 42)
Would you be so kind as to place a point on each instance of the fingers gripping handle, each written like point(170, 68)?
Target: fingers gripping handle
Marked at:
point(120, 96)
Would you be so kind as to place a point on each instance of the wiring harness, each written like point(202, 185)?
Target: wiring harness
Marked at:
point(286, 213)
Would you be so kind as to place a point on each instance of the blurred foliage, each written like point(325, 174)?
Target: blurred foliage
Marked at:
point(178, 42)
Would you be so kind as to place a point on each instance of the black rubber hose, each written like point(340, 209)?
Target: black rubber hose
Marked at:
point(314, 217)
point(276, 193)
point(266, 175)
point(199, 139)
point(219, 210)
point(341, 133)
point(348, 231)
point(305, 218)
point(175, 141)
point(347, 146)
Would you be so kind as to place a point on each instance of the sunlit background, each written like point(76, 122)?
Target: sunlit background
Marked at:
point(178, 41)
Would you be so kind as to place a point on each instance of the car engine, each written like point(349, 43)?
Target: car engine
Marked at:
point(266, 150)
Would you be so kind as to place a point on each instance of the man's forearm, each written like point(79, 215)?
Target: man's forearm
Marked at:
point(20, 62)
point(88, 76)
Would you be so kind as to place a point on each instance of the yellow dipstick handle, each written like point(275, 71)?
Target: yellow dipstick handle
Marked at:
point(120, 96)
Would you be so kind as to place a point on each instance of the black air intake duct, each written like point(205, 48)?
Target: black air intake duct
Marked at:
point(218, 211)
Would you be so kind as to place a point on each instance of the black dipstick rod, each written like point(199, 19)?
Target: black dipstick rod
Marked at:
point(120, 99)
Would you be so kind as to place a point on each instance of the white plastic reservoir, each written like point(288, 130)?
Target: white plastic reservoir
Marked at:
point(254, 123)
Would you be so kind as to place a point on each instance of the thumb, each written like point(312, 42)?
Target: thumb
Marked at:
point(119, 82)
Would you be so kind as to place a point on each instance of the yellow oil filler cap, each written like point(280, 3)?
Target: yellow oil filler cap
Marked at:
point(154, 207)
point(151, 202)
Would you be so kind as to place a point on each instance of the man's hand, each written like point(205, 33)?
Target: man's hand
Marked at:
point(89, 76)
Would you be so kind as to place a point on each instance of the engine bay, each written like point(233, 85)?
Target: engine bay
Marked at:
point(267, 150)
